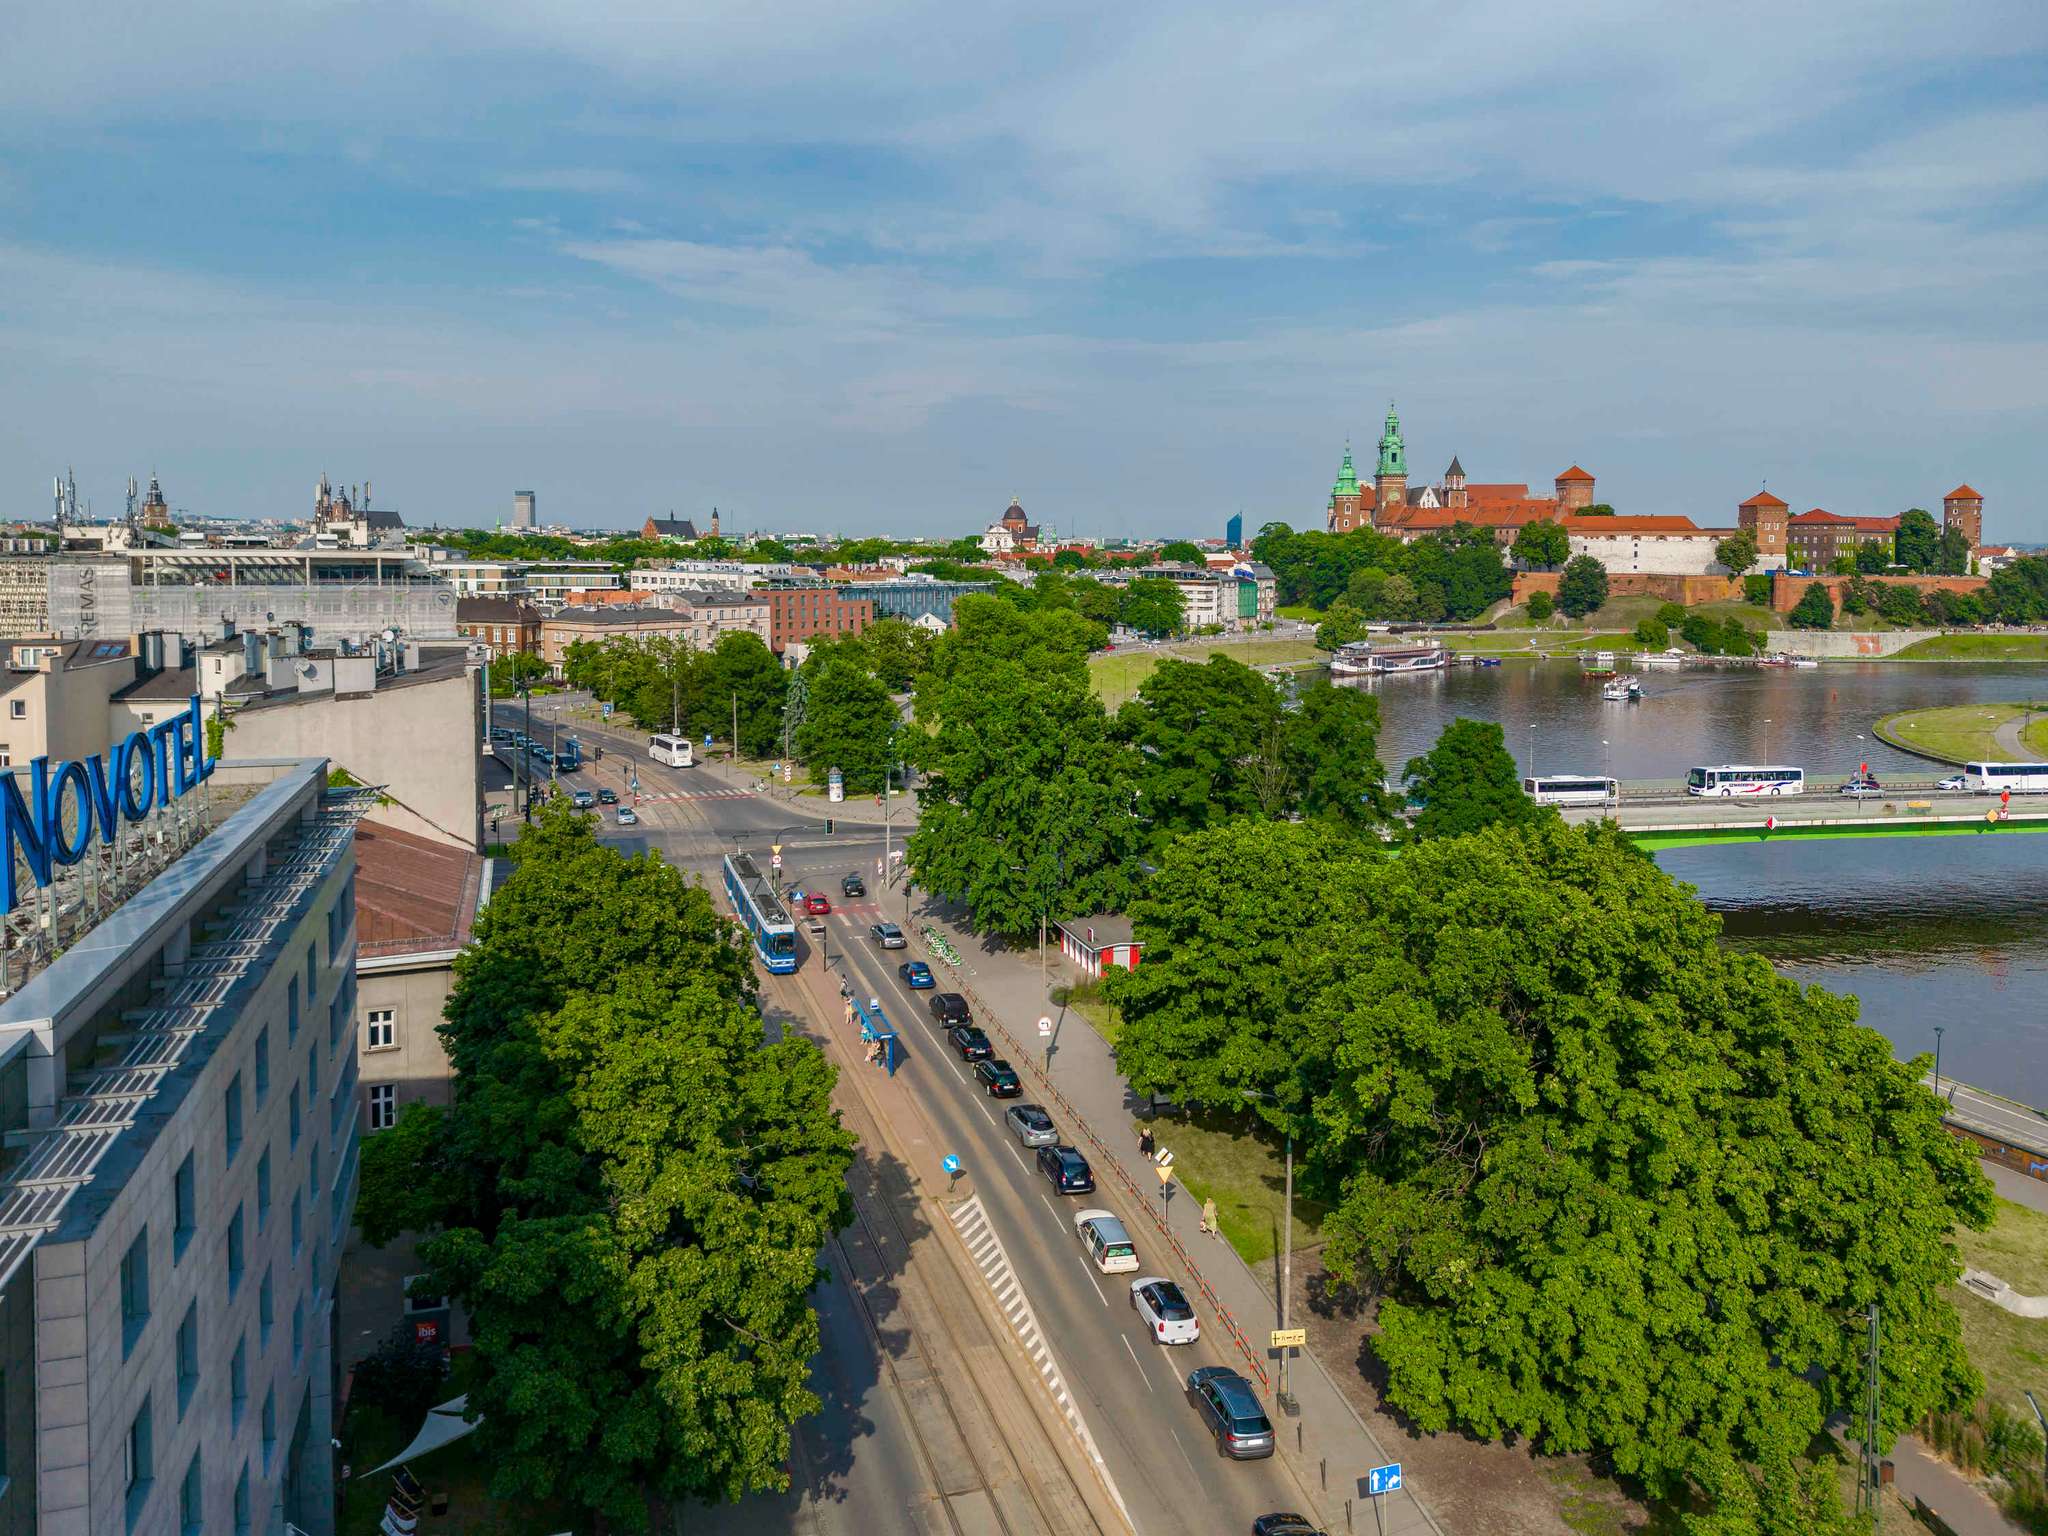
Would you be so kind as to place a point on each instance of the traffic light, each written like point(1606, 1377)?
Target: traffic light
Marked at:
point(828, 826)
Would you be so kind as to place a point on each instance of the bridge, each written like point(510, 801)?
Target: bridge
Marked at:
point(1659, 815)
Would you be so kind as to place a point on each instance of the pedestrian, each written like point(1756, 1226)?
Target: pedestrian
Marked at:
point(1209, 1217)
point(1145, 1142)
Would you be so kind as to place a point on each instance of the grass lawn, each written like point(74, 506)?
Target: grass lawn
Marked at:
point(1301, 611)
point(1239, 1164)
point(1977, 648)
point(1103, 1016)
point(1960, 733)
point(1117, 674)
point(2011, 1351)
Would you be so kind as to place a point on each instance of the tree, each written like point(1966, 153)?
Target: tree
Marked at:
point(1917, 544)
point(1367, 591)
point(1541, 606)
point(514, 668)
point(1670, 615)
point(899, 651)
point(849, 723)
point(742, 667)
point(1952, 555)
point(1737, 552)
point(1341, 625)
point(1096, 603)
point(1330, 745)
point(1180, 552)
point(1592, 1222)
point(1068, 560)
point(1584, 587)
point(1463, 568)
point(399, 1186)
point(1815, 609)
point(1196, 727)
point(1756, 590)
point(402, 1377)
point(1856, 594)
point(1899, 604)
point(1152, 605)
point(1842, 565)
point(1467, 781)
point(1873, 556)
point(1542, 546)
point(1400, 601)
point(1597, 509)
point(1652, 635)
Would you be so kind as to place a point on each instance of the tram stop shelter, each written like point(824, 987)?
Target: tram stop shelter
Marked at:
point(876, 1032)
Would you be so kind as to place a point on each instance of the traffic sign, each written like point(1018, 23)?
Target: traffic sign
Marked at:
point(1044, 1026)
point(1382, 1480)
point(950, 1163)
point(1288, 1338)
point(1165, 1172)
point(775, 861)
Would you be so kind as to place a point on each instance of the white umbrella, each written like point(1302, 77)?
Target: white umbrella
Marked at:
point(444, 1426)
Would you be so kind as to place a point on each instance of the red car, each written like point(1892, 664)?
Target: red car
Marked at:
point(816, 904)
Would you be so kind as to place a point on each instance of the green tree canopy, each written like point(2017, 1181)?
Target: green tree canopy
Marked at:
point(742, 668)
point(1542, 545)
point(1180, 552)
point(1331, 747)
point(1815, 609)
point(1584, 587)
point(1917, 544)
point(1873, 556)
point(1152, 605)
point(1467, 781)
point(849, 723)
point(1952, 555)
point(1738, 552)
point(1341, 625)
point(1196, 727)
point(1652, 635)
point(899, 651)
point(1541, 605)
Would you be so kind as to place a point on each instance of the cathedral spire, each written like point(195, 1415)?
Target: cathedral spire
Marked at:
point(1347, 477)
point(1393, 453)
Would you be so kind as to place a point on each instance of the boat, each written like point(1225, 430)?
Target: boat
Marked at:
point(1361, 658)
point(1485, 661)
point(1622, 690)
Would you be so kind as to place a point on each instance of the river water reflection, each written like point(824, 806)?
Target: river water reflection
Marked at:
point(1924, 930)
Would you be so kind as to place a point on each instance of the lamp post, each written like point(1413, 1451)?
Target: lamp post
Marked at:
point(1287, 1243)
point(526, 752)
point(1937, 1058)
point(1532, 749)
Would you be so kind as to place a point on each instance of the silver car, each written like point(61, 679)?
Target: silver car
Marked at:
point(1031, 1125)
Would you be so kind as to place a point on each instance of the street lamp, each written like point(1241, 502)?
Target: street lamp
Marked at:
point(1937, 1058)
point(1287, 1247)
point(1532, 749)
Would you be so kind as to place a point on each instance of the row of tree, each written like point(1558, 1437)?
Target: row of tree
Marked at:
point(1366, 575)
point(628, 1193)
point(2017, 594)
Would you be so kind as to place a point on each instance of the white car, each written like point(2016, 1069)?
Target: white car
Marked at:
point(1164, 1310)
point(1109, 1245)
point(1953, 781)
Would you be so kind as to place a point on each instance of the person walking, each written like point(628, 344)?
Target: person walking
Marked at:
point(1145, 1142)
point(1209, 1216)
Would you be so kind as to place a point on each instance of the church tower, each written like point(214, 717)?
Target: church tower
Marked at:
point(1390, 481)
point(1454, 484)
point(1347, 501)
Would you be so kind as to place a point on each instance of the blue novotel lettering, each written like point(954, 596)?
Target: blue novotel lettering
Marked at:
point(147, 771)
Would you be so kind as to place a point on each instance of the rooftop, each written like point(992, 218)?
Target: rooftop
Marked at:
point(413, 895)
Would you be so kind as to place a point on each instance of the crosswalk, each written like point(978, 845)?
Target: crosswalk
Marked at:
point(699, 794)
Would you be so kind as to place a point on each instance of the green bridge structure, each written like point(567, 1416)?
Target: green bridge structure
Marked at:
point(1657, 819)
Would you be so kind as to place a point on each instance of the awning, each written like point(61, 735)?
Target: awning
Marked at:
point(444, 1426)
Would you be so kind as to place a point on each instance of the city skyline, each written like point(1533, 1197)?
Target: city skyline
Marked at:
point(883, 271)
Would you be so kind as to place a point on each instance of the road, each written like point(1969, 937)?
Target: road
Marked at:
point(2011, 1122)
point(1077, 1326)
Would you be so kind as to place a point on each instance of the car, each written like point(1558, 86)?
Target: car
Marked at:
point(970, 1042)
point(1860, 787)
point(1283, 1524)
point(816, 904)
point(1030, 1124)
point(950, 1008)
point(888, 935)
point(1230, 1408)
point(583, 799)
point(998, 1077)
point(916, 975)
point(500, 733)
point(853, 886)
point(1953, 781)
point(628, 817)
point(607, 797)
point(1109, 1246)
point(1067, 1168)
point(1164, 1310)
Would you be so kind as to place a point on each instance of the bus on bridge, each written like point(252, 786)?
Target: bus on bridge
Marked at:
point(1728, 780)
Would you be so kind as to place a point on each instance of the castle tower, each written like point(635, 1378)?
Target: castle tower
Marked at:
point(1454, 484)
point(156, 513)
point(1765, 518)
point(1347, 501)
point(1390, 480)
point(1963, 508)
point(1574, 491)
point(714, 522)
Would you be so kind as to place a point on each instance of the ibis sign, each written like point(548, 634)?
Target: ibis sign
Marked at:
point(135, 777)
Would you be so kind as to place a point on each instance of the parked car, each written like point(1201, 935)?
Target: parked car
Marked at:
point(628, 817)
point(1068, 1170)
point(607, 797)
point(1030, 1124)
point(1164, 1310)
point(1953, 781)
point(1282, 1524)
point(583, 799)
point(1108, 1245)
point(888, 935)
point(853, 886)
point(816, 903)
point(1230, 1408)
point(1860, 787)
point(950, 1008)
point(970, 1042)
point(916, 975)
point(998, 1077)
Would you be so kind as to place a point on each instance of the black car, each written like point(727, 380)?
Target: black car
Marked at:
point(1068, 1170)
point(950, 1008)
point(607, 797)
point(1230, 1408)
point(853, 886)
point(970, 1042)
point(1281, 1524)
point(1000, 1079)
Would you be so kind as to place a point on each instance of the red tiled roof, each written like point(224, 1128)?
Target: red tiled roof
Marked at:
point(1575, 474)
point(1599, 525)
point(1875, 524)
point(1963, 493)
point(1498, 491)
point(412, 893)
point(1493, 515)
point(1764, 499)
point(1820, 515)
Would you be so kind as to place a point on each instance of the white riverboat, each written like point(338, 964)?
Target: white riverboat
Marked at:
point(1362, 658)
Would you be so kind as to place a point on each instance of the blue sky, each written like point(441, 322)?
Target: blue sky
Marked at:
point(882, 267)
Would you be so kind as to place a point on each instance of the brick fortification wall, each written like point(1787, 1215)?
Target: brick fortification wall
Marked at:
point(1684, 590)
point(1787, 590)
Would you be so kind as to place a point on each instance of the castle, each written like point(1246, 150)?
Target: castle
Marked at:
point(1393, 506)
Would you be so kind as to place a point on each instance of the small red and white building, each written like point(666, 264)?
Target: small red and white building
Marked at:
point(1093, 943)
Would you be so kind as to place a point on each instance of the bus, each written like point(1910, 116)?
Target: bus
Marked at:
point(673, 750)
point(1739, 780)
point(1571, 789)
point(760, 912)
point(569, 757)
point(2020, 778)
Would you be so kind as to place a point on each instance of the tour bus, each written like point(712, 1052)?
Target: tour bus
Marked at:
point(2020, 778)
point(760, 912)
point(1726, 780)
point(1571, 789)
point(673, 750)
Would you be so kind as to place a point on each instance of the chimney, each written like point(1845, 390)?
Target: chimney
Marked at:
point(252, 652)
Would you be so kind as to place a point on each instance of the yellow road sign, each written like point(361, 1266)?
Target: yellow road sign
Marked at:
point(1289, 1338)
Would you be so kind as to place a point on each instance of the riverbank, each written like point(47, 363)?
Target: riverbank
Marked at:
point(1117, 674)
point(1966, 733)
point(1977, 648)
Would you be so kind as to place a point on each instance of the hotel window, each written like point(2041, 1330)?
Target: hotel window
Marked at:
point(298, 1226)
point(18, 708)
point(298, 1330)
point(383, 1029)
point(266, 1313)
point(262, 1066)
point(291, 1013)
point(134, 1291)
point(295, 1117)
point(188, 1358)
point(242, 1503)
point(238, 1383)
point(137, 1463)
point(383, 1106)
point(263, 1192)
point(235, 1253)
point(191, 1509)
point(269, 1429)
point(233, 1117)
point(312, 977)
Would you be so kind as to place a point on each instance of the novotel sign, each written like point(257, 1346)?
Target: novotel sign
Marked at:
point(149, 770)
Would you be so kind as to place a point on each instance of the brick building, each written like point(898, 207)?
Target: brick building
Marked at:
point(505, 624)
point(1764, 517)
point(800, 613)
point(1961, 508)
point(1817, 539)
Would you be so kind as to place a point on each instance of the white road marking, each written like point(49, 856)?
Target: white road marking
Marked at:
point(1089, 1270)
point(1138, 1363)
point(1055, 1214)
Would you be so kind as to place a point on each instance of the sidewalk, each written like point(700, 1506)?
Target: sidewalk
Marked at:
point(1331, 1446)
point(1917, 1473)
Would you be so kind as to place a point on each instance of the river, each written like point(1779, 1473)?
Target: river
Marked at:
point(1923, 930)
